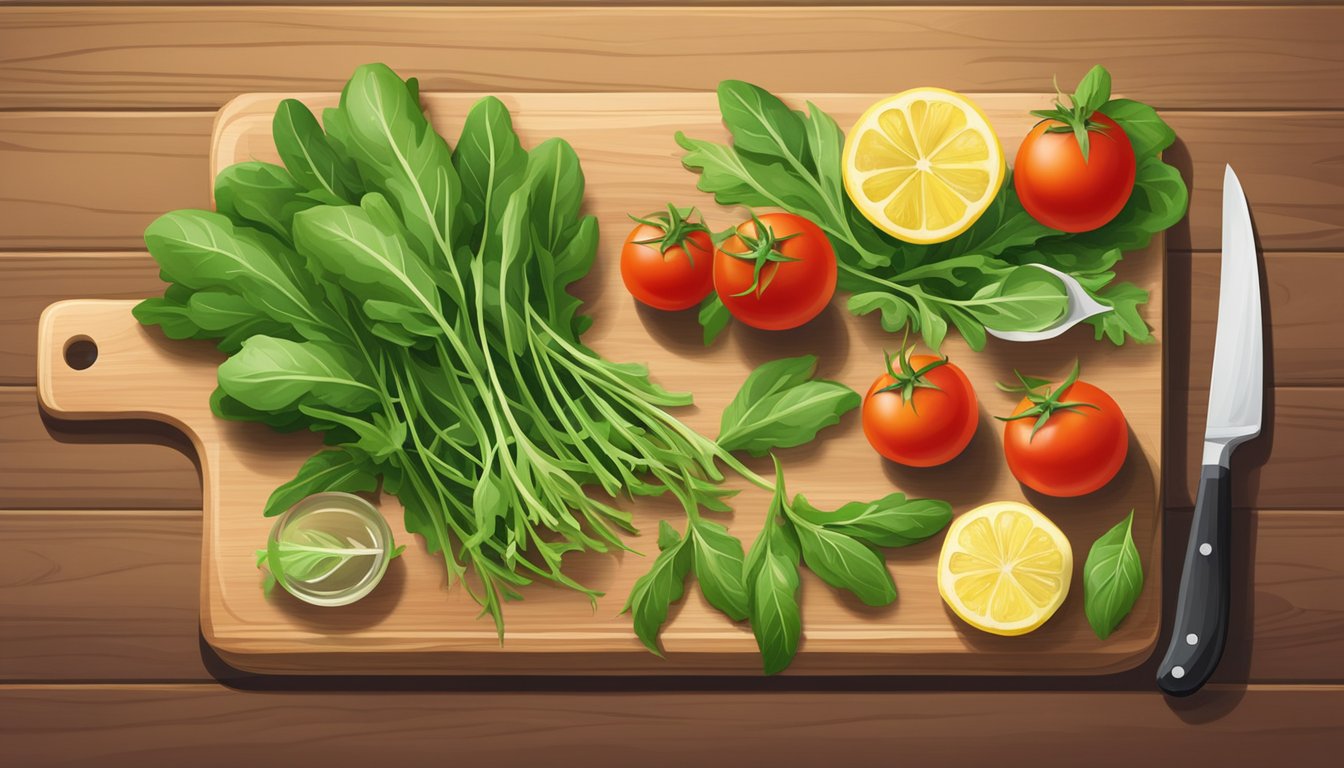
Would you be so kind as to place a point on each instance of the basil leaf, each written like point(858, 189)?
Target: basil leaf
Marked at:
point(333, 470)
point(1148, 134)
point(308, 156)
point(271, 374)
point(1093, 90)
point(891, 521)
point(713, 317)
point(1112, 578)
point(778, 407)
point(718, 568)
point(664, 584)
point(845, 563)
point(772, 583)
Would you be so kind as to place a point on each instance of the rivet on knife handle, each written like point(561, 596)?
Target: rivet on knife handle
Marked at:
point(1202, 605)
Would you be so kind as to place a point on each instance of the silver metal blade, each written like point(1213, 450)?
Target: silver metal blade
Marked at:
point(1236, 392)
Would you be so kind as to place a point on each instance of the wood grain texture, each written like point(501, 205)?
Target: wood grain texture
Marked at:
point(201, 57)
point(107, 595)
point(96, 595)
point(33, 280)
point(651, 3)
point(81, 181)
point(411, 625)
point(1295, 463)
point(408, 627)
point(1308, 350)
point(45, 464)
point(53, 463)
point(206, 726)
point(134, 166)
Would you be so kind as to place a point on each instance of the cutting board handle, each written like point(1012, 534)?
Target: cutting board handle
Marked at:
point(95, 361)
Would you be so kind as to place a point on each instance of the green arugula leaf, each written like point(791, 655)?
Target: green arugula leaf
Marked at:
point(206, 252)
point(760, 123)
point(718, 567)
point(260, 194)
point(891, 521)
point(331, 470)
point(370, 260)
point(1112, 578)
point(845, 563)
point(1027, 299)
point(309, 157)
point(489, 160)
point(664, 584)
point(399, 155)
point(779, 407)
point(772, 582)
point(1125, 321)
point(272, 374)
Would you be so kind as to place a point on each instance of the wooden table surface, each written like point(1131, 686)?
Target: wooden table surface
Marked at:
point(105, 118)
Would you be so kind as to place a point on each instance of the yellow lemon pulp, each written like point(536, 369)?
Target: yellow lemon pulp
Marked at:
point(923, 165)
point(1004, 568)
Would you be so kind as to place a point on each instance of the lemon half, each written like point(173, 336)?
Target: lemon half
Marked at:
point(923, 165)
point(1005, 568)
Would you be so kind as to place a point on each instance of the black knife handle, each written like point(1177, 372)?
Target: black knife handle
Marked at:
point(1201, 608)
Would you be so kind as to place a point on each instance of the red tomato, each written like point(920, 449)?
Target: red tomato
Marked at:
point(795, 278)
point(1060, 189)
point(667, 262)
point(1078, 449)
point(921, 426)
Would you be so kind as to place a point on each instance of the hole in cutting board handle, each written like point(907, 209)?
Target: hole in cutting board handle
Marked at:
point(80, 352)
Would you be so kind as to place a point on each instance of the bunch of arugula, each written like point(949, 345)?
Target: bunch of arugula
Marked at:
point(784, 158)
point(409, 300)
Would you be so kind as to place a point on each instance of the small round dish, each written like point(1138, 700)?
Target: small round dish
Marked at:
point(333, 548)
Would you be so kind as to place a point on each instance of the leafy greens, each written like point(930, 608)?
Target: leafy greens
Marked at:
point(790, 159)
point(408, 299)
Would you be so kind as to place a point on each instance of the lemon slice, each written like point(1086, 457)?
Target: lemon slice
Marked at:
point(923, 165)
point(1005, 568)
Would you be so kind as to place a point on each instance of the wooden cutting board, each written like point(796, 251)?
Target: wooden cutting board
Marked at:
point(412, 624)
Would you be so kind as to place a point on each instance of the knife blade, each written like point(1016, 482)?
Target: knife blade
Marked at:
point(1236, 403)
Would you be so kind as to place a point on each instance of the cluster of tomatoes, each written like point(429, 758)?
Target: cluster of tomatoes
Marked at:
point(670, 262)
point(1065, 440)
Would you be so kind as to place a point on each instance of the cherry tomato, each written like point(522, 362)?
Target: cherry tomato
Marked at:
point(1062, 190)
point(667, 261)
point(776, 272)
point(1080, 447)
point(923, 415)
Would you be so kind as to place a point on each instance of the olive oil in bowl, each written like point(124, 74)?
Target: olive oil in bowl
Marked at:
point(329, 549)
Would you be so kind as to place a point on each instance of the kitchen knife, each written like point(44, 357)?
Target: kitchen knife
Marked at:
point(1236, 395)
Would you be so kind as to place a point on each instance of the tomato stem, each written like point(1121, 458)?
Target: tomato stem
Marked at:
point(1045, 401)
point(762, 249)
point(676, 226)
point(909, 379)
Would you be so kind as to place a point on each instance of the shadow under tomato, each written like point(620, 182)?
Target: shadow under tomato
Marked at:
point(825, 336)
point(967, 479)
